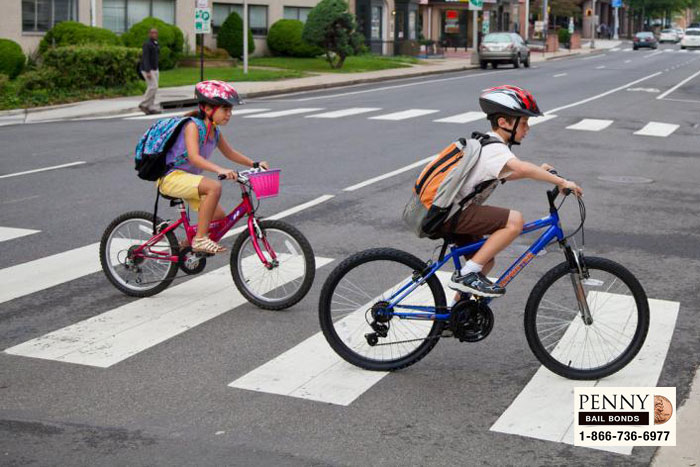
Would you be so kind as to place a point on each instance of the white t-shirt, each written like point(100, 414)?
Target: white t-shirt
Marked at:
point(489, 166)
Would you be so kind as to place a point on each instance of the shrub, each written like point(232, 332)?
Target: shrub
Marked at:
point(284, 38)
point(12, 58)
point(89, 66)
point(564, 36)
point(46, 78)
point(74, 33)
point(230, 36)
point(4, 81)
point(332, 27)
point(170, 39)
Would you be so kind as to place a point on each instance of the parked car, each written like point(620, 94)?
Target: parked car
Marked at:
point(669, 35)
point(691, 38)
point(681, 33)
point(503, 47)
point(645, 39)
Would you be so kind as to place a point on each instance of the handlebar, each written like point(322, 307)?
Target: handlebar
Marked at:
point(242, 176)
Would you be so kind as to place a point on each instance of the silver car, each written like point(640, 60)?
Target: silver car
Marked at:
point(503, 47)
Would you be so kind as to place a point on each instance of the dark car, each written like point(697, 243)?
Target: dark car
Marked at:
point(645, 39)
point(503, 47)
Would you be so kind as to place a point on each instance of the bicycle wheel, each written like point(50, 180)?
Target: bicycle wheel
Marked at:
point(288, 281)
point(359, 287)
point(137, 277)
point(561, 340)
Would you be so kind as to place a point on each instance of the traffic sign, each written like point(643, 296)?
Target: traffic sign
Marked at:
point(617, 3)
point(476, 4)
point(202, 20)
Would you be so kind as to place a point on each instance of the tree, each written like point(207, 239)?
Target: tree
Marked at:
point(230, 36)
point(332, 27)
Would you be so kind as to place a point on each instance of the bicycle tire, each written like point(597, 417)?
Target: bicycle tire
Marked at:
point(325, 318)
point(309, 261)
point(636, 343)
point(161, 285)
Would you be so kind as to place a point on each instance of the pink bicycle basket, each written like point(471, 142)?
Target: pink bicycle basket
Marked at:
point(265, 184)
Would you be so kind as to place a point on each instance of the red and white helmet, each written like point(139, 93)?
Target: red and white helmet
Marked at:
point(216, 93)
point(509, 100)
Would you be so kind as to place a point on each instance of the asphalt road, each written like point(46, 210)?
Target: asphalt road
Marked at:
point(171, 404)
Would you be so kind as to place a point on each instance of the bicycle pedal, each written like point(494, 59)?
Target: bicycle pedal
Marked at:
point(201, 254)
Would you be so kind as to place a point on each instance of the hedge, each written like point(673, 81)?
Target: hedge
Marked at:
point(74, 33)
point(284, 38)
point(230, 36)
point(170, 39)
point(12, 58)
point(88, 66)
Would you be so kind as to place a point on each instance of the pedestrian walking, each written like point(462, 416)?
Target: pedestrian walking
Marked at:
point(149, 70)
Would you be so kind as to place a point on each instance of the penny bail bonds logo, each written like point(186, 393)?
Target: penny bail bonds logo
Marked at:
point(624, 416)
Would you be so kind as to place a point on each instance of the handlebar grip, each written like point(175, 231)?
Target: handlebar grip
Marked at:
point(567, 191)
point(553, 172)
point(221, 177)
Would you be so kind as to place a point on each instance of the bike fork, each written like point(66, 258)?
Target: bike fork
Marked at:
point(577, 274)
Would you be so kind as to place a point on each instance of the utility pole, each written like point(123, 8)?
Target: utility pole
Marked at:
point(527, 19)
point(593, 25)
point(245, 37)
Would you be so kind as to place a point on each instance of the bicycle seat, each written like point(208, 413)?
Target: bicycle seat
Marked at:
point(173, 201)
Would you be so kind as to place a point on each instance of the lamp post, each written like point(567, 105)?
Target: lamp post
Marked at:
point(245, 37)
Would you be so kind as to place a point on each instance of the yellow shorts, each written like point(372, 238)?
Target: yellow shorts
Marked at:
point(180, 184)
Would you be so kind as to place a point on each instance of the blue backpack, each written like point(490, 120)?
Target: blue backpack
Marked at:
point(154, 145)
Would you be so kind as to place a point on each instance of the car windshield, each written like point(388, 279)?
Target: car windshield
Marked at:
point(667, 30)
point(644, 34)
point(491, 38)
point(693, 33)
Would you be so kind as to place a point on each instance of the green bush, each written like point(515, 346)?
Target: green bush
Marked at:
point(230, 36)
point(89, 66)
point(12, 58)
point(333, 28)
point(74, 33)
point(564, 36)
point(170, 39)
point(284, 38)
point(47, 78)
point(4, 81)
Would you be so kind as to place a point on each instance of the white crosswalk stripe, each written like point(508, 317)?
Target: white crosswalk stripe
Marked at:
point(463, 118)
point(615, 49)
point(10, 233)
point(658, 129)
point(590, 124)
point(404, 114)
point(116, 335)
point(345, 112)
point(542, 119)
point(285, 113)
point(628, 50)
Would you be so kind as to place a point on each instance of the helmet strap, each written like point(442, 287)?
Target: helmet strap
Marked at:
point(513, 131)
point(210, 117)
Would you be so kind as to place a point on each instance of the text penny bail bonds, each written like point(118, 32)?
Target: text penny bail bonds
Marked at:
point(624, 416)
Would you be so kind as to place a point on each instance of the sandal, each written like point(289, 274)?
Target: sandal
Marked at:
point(206, 245)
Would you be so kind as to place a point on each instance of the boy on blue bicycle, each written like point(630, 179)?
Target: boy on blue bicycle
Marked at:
point(508, 109)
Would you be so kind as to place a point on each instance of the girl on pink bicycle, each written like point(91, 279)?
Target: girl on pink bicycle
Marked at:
point(189, 157)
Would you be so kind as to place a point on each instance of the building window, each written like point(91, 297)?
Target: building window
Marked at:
point(42, 15)
point(257, 17)
point(293, 12)
point(119, 15)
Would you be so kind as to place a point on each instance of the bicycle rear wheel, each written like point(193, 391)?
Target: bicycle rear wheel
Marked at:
point(561, 340)
point(354, 293)
point(137, 276)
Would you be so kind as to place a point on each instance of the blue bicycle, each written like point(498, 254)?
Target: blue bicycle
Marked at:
point(384, 309)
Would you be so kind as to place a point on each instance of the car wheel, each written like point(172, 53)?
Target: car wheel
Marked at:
point(527, 61)
point(516, 61)
point(494, 65)
point(682, 47)
point(635, 48)
point(483, 64)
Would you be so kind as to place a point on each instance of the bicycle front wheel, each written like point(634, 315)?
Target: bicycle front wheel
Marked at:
point(350, 308)
point(564, 343)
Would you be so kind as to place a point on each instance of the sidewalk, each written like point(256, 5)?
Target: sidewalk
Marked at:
point(177, 96)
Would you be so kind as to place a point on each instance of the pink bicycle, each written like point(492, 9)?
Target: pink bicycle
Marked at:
point(271, 262)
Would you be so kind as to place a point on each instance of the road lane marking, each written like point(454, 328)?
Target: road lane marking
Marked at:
point(678, 85)
point(312, 370)
point(285, 113)
point(370, 181)
point(600, 67)
point(404, 114)
point(54, 167)
point(113, 336)
point(345, 112)
point(559, 75)
point(628, 50)
point(544, 408)
point(652, 54)
point(10, 233)
point(463, 118)
point(590, 124)
point(628, 61)
point(537, 120)
point(603, 94)
point(615, 49)
point(658, 129)
point(179, 113)
point(50, 271)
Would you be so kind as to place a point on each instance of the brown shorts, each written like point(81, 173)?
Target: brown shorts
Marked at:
point(473, 223)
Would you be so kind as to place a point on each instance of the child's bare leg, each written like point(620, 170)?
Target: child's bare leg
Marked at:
point(211, 191)
point(500, 239)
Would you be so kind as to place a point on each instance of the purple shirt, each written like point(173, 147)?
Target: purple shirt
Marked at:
point(177, 157)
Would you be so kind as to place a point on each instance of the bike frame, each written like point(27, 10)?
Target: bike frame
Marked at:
point(217, 229)
point(553, 231)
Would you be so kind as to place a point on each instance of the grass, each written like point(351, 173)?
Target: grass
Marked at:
point(184, 76)
point(354, 64)
point(13, 97)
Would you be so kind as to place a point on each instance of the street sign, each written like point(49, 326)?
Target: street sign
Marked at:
point(202, 4)
point(476, 4)
point(486, 23)
point(202, 20)
point(539, 26)
point(571, 25)
point(617, 3)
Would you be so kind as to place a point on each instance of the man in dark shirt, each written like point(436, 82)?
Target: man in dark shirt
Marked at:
point(149, 70)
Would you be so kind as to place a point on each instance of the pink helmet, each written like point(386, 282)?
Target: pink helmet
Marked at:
point(216, 93)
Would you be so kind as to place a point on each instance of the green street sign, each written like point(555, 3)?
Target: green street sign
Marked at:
point(202, 20)
point(476, 4)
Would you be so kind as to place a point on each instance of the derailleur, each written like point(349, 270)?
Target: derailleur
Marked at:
point(379, 323)
point(471, 320)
